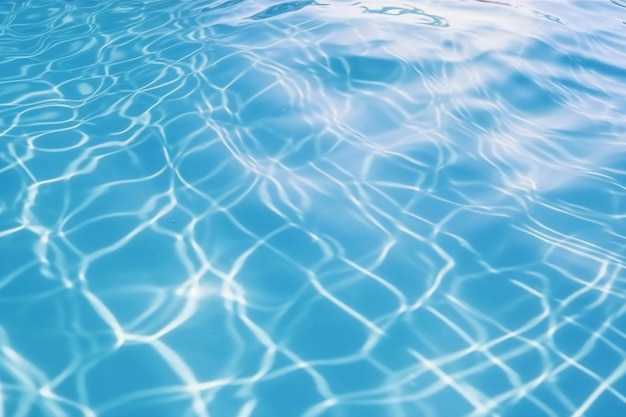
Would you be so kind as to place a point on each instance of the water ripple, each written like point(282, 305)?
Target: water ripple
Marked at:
point(320, 209)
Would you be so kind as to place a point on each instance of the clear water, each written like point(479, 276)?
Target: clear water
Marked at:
point(312, 208)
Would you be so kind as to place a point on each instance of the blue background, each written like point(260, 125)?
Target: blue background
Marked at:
point(265, 209)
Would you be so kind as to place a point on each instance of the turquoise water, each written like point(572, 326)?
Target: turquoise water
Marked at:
point(317, 209)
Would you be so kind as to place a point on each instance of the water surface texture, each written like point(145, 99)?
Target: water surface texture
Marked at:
point(244, 208)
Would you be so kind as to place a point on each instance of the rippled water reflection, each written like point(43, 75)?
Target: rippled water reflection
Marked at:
point(255, 209)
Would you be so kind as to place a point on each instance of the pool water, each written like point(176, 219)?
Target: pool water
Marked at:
point(312, 208)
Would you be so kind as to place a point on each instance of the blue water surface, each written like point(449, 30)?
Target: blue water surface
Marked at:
point(243, 208)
